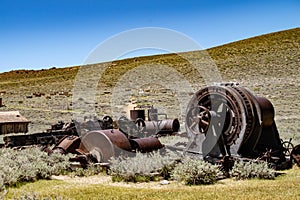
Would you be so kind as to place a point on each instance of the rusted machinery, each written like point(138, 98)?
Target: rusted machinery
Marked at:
point(137, 125)
point(101, 145)
point(229, 120)
point(134, 134)
point(51, 136)
point(57, 132)
point(222, 121)
point(94, 124)
point(107, 143)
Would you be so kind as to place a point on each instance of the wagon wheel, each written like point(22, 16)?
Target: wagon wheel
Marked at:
point(287, 147)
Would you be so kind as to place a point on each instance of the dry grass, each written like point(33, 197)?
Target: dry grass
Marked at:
point(99, 187)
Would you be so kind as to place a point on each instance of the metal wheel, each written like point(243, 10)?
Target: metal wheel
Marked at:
point(99, 145)
point(219, 115)
point(287, 147)
point(217, 107)
point(198, 119)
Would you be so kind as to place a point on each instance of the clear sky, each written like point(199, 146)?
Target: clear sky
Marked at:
point(38, 34)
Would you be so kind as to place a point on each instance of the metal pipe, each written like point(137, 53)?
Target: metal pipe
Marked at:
point(146, 144)
point(162, 126)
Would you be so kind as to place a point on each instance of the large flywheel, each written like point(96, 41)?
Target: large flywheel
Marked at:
point(104, 144)
point(220, 120)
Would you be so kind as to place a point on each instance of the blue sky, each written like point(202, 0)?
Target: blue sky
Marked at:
point(38, 34)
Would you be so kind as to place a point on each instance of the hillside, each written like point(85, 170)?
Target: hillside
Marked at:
point(267, 64)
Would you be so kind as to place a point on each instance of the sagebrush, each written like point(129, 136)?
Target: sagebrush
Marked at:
point(195, 172)
point(90, 170)
point(143, 167)
point(29, 164)
point(247, 170)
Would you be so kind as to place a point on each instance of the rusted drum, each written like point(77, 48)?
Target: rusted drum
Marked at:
point(167, 126)
point(103, 144)
point(146, 144)
point(68, 144)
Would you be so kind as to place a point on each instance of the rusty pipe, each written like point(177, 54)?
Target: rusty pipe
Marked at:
point(162, 126)
point(147, 144)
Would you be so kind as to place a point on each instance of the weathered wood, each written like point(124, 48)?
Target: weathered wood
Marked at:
point(13, 122)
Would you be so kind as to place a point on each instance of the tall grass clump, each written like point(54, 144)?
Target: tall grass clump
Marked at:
point(143, 167)
point(247, 170)
point(195, 172)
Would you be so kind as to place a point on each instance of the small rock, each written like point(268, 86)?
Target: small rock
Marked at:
point(164, 182)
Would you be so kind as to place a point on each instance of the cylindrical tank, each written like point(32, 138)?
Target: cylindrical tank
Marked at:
point(145, 145)
point(68, 144)
point(167, 126)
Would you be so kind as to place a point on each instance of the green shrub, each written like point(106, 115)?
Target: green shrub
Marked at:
point(247, 170)
point(143, 167)
point(195, 172)
point(29, 165)
point(89, 171)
